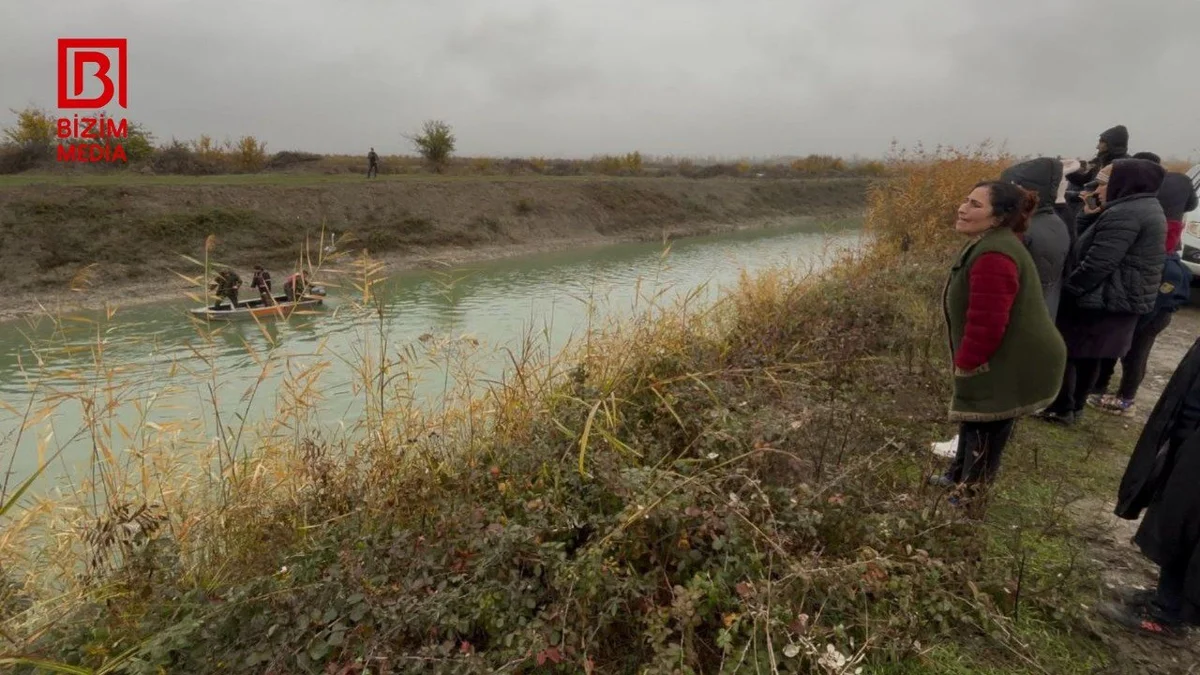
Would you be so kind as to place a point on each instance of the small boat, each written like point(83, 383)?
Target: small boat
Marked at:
point(257, 308)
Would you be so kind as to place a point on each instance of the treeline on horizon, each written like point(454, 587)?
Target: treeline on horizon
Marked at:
point(31, 143)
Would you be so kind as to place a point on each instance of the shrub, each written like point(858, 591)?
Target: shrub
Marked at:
point(633, 162)
point(523, 206)
point(35, 127)
point(608, 165)
point(250, 154)
point(873, 168)
point(15, 158)
point(915, 208)
point(290, 158)
point(819, 165)
point(435, 143)
point(180, 158)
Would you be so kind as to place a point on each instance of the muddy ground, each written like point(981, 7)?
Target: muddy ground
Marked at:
point(68, 246)
point(1111, 537)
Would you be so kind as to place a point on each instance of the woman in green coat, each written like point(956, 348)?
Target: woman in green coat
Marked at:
point(1008, 356)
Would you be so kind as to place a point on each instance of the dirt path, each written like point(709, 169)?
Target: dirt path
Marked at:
point(1122, 562)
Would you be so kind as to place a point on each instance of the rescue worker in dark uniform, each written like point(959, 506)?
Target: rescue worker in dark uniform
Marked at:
point(262, 283)
point(226, 285)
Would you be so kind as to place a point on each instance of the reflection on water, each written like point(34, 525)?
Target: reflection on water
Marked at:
point(162, 358)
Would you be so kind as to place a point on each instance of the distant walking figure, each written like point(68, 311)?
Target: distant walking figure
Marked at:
point(372, 163)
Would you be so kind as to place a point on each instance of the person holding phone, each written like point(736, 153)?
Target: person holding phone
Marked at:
point(1117, 278)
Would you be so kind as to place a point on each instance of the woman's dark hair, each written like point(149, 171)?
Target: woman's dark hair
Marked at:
point(1012, 204)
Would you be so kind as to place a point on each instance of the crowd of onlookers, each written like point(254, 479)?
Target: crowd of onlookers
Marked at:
point(1071, 267)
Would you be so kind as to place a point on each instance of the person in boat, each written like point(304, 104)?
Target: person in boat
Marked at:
point(226, 285)
point(296, 285)
point(262, 283)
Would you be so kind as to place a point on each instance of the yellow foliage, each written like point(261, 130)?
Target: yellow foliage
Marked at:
point(608, 164)
point(251, 154)
point(914, 209)
point(633, 162)
point(819, 164)
point(34, 125)
point(873, 168)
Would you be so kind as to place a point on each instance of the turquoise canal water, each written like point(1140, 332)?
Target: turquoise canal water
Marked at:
point(150, 370)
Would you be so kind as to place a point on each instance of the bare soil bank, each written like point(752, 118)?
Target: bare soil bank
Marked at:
point(133, 236)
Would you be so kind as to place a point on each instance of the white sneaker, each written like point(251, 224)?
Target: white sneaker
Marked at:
point(947, 449)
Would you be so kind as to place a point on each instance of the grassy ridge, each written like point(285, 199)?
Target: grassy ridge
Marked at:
point(734, 489)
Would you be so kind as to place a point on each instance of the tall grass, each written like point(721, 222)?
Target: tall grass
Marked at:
point(730, 487)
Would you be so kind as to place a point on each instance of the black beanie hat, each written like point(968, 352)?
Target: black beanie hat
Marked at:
point(1116, 137)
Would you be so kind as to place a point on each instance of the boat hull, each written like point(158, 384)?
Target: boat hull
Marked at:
point(256, 309)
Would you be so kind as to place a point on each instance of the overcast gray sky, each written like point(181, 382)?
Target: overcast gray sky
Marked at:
point(679, 77)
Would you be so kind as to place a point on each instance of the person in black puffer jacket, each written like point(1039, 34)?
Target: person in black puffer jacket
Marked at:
point(1116, 280)
point(1173, 293)
point(1047, 239)
point(1177, 197)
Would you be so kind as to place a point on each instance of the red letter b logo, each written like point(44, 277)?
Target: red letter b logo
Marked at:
point(86, 51)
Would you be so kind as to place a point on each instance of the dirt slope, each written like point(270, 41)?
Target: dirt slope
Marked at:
point(134, 234)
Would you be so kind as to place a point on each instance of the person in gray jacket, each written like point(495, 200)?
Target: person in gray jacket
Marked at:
point(1048, 239)
point(1116, 280)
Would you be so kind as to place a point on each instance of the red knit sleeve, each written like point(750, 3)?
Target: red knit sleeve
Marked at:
point(993, 283)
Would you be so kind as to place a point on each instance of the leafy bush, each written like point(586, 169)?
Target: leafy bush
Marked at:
point(250, 155)
point(35, 127)
point(819, 165)
point(179, 158)
point(16, 158)
point(435, 143)
point(915, 209)
point(290, 158)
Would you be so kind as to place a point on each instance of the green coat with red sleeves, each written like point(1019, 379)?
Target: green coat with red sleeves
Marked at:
point(1023, 376)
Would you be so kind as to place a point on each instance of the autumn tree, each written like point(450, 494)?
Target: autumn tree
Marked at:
point(435, 143)
point(34, 127)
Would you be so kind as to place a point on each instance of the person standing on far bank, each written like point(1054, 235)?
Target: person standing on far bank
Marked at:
point(1008, 356)
point(372, 164)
